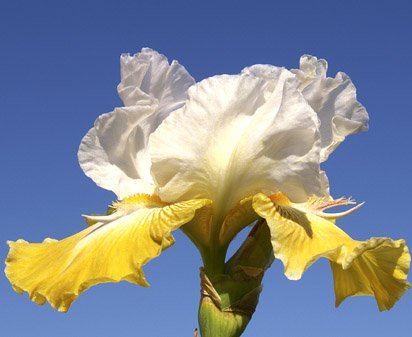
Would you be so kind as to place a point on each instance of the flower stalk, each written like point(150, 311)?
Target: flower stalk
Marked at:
point(229, 299)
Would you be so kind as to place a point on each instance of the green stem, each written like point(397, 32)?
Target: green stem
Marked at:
point(230, 291)
point(214, 260)
point(207, 242)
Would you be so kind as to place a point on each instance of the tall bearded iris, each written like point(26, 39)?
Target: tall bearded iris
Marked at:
point(211, 158)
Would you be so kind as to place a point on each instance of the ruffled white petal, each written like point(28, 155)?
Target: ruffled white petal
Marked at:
point(268, 72)
point(324, 182)
point(236, 136)
point(147, 76)
point(334, 100)
point(114, 153)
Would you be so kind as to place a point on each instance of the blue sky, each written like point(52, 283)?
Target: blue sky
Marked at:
point(59, 68)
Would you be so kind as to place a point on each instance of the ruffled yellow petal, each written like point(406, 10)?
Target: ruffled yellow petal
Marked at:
point(375, 267)
point(111, 250)
point(298, 238)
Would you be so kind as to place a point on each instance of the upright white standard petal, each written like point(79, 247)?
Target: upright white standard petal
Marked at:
point(334, 100)
point(148, 76)
point(238, 135)
point(114, 153)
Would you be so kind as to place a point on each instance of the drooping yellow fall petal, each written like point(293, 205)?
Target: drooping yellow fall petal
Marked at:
point(377, 267)
point(298, 238)
point(108, 251)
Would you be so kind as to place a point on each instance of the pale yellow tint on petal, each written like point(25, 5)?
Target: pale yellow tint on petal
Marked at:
point(376, 267)
point(237, 218)
point(207, 224)
point(58, 271)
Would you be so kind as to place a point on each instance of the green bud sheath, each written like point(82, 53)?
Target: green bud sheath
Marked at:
point(229, 300)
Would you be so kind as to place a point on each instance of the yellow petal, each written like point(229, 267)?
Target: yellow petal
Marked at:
point(58, 271)
point(298, 238)
point(376, 267)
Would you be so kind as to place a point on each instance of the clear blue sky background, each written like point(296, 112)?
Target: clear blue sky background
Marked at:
point(59, 67)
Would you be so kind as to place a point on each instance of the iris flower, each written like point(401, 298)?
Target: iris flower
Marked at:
point(212, 158)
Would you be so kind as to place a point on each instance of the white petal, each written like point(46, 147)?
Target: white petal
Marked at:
point(324, 182)
point(334, 100)
point(268, 72)
point(147, 76)
point(236, 136)
point(113, 153)
point(312, 66)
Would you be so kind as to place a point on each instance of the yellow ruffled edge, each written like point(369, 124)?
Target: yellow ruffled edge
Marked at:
point(67, 298)
point(377, 267)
